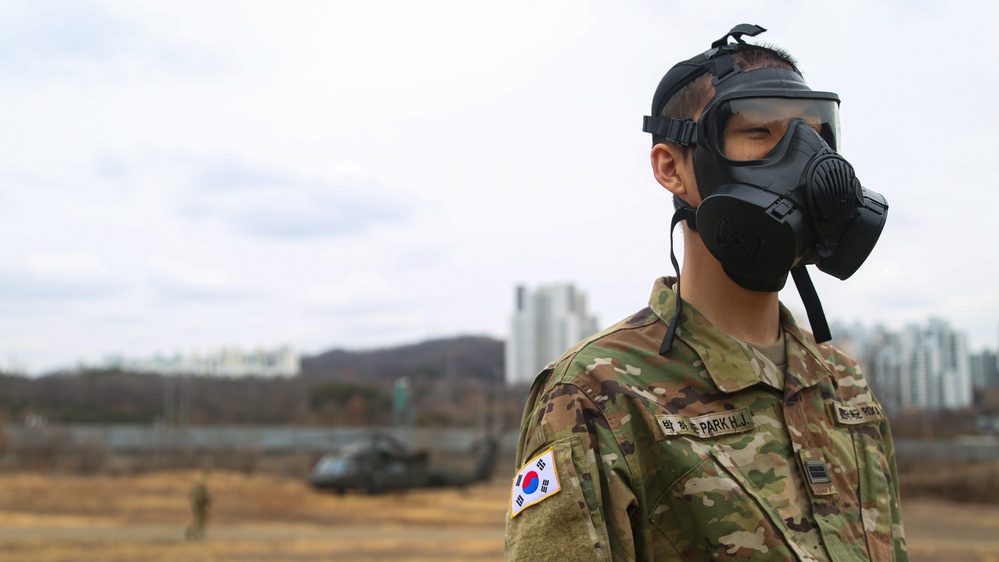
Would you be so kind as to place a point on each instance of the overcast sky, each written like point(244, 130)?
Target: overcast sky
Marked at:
point(178, 176)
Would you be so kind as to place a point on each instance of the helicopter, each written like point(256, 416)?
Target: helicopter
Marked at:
point(381, 463)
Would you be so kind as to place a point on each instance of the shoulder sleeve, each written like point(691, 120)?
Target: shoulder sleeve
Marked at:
point(858, 391)
point(588, 518)
point(899, 547)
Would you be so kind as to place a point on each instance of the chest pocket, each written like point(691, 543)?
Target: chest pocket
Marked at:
point(846, 473)
point(713, 512)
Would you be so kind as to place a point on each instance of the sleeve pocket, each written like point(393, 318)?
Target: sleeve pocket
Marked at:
point(563, 526)
point(875, 512)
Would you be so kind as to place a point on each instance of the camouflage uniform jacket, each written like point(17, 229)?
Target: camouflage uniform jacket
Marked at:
point(694, 457)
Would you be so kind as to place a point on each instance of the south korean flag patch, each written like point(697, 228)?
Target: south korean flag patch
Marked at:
point(537, 481)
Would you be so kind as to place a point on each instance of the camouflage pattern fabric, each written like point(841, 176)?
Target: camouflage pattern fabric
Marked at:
point(701, 455)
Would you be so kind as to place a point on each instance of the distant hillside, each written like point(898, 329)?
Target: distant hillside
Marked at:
point(454, 382)
point(464, 357)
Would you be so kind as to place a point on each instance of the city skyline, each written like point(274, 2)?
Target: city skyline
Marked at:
point(357, 175)
point(926, 366)
point(230, 361)
point(842, 332)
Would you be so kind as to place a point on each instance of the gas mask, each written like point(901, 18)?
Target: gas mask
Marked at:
point(775, 193)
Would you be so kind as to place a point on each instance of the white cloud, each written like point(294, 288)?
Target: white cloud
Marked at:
point(178, 279)
point(348, 66)
point(69, 40)
point(77, 264)
point(358, 290)
point(42, 277)
point(357, 173)
point(284, 205)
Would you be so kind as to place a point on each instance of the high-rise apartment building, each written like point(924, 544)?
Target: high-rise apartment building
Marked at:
point(545, 322)
point(920, 367)
point(984, 369)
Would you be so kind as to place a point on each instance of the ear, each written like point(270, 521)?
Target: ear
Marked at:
point(673, 172)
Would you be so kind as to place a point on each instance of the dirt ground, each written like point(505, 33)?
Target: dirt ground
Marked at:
point(266, 518)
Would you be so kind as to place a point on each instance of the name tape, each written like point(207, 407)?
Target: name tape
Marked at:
point(859, 414)
point(707, 425)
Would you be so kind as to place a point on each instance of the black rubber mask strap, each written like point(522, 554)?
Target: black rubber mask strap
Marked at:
point(683, 212)
point(813, 307)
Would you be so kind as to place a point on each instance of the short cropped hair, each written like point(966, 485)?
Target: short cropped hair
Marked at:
point(691, 99)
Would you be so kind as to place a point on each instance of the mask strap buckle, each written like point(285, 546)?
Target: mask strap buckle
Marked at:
point(737, 32)
point(722, 66)
point(679, 131)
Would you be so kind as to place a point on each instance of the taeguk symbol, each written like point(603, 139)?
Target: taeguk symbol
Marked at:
point(530, 482)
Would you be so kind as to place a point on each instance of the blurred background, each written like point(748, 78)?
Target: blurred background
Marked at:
point(241, 235)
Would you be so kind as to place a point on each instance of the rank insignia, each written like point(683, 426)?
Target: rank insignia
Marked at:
point(817, 472)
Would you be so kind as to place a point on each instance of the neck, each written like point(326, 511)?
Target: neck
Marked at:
point(749, 316)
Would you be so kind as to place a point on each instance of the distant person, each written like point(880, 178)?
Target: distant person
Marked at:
point(201, 499)
point(713, 427)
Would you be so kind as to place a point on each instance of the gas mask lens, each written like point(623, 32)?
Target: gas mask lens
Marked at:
point(750, 128)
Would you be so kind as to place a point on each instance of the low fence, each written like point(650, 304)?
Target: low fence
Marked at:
point(960, 450)
point(293, 450)
point(289, 450)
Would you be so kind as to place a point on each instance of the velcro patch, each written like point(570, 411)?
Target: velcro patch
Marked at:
point(859, 414)
point(819, 480)
point(707, 425)
point(536, 481)
point(817, 472)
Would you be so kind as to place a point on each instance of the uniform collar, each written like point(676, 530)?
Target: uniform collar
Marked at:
point(731, 364)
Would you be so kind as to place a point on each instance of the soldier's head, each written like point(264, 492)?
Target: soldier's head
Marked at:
point(688, 101)
point(751, 156)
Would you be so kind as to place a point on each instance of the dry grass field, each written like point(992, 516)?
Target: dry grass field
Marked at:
point(253, 518)
point(61, 518)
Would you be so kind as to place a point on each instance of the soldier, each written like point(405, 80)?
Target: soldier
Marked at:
point(200, 500)
point(713, 427)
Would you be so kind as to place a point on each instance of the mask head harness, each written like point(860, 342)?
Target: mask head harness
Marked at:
point(775, 193)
